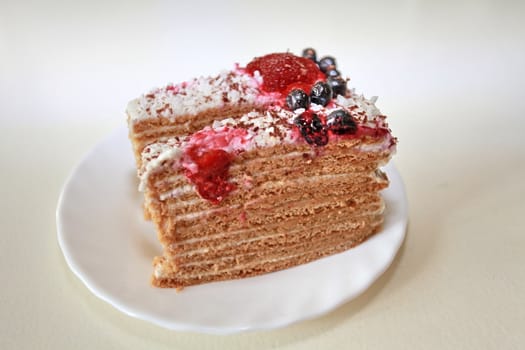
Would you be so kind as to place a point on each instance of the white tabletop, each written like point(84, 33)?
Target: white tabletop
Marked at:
point(449, 76)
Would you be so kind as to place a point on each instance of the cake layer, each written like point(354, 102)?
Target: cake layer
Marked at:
point(299, 216)
point(273, 248)
point(277, 199)
point(253, 168)
point(188, 242)
point(252, 241)
point(184, 200)
point(150, 131)
point(230, 267)
point(182, 109)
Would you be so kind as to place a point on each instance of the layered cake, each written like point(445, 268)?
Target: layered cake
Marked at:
point(259, 168)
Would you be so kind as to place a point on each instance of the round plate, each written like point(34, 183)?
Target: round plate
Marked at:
point(110, 247)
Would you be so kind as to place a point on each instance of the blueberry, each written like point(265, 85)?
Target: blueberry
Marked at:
point(338, 85)
point(321, 93)
point(296, 99)
point(316, 123)
point(312, 129)
point(327, 63)
point(333, 73)
point(310, 54)
point(341, 122)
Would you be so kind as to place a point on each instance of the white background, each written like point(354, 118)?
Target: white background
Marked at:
point(449, 74)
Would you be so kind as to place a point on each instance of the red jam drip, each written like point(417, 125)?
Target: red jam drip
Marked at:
point(211, 179)
point(280, 70)
point(207, 160)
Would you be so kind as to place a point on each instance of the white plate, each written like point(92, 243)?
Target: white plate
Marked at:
point(110, 247)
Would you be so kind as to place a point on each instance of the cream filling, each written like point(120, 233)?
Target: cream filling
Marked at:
point(155, 163)
point(178, 191)
point(194, 215)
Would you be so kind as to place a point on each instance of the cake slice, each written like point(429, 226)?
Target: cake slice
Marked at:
point(258, 169)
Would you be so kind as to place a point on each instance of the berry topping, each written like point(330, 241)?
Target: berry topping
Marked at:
point(279, 70)
point(321, 93)
point(312, 129)
point(327, 63)
point(206, 160)
point(338, 85)
point(296, 99)
point(211, 179)
point(310, 54)
point(333, 73)
point(341, 123)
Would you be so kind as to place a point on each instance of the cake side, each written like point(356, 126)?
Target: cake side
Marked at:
point(275, 217)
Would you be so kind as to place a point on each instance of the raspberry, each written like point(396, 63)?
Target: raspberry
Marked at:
point(279, 70)
point(211, 179)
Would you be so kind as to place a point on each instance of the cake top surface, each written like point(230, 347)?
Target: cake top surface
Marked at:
point(266, 80)
point(294, 100)
point(233, 87)
point(264, 129)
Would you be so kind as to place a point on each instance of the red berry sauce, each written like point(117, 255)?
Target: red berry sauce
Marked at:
point(211, 179)
point(207, 158)
point(282, 70)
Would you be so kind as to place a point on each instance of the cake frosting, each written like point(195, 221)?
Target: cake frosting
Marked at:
point(235, 87)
